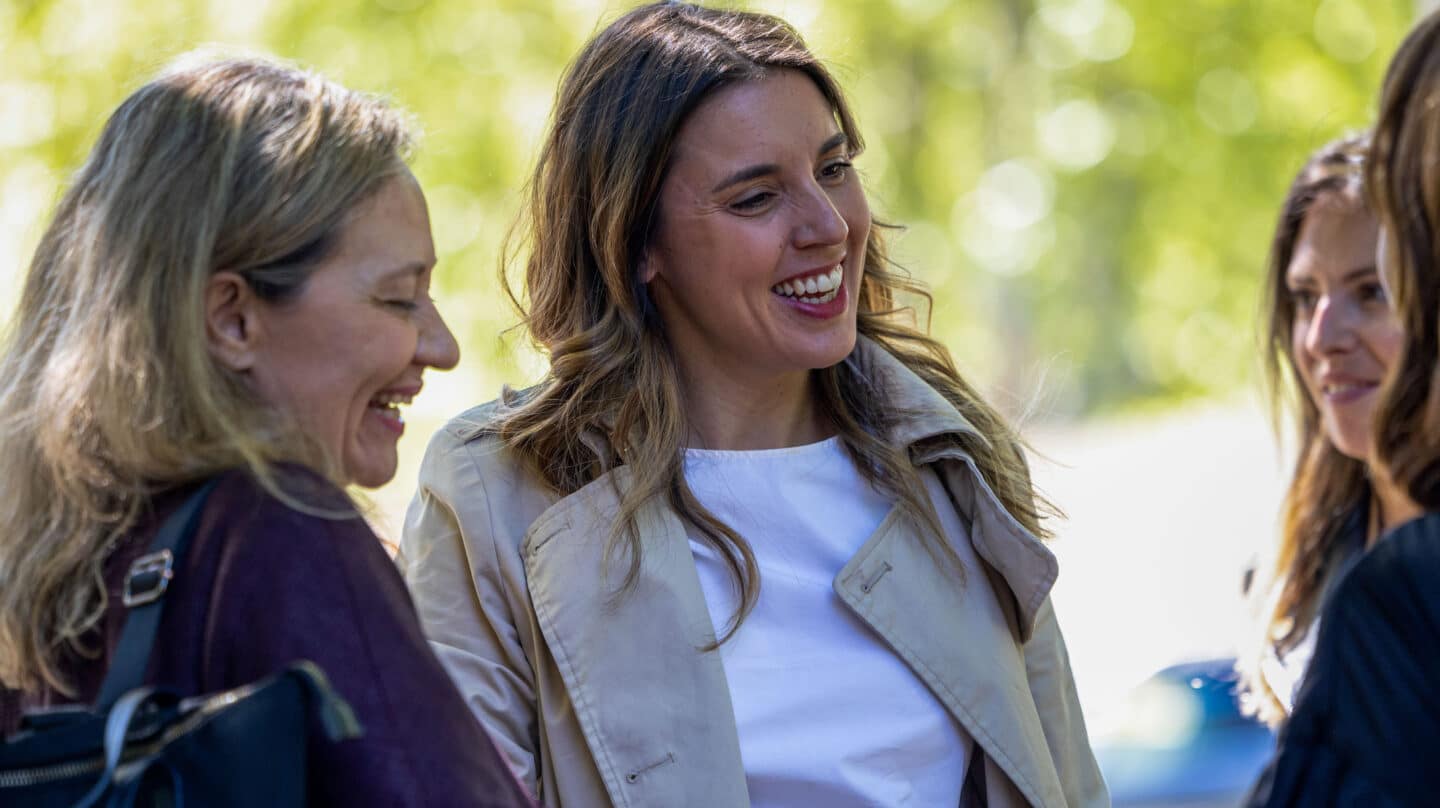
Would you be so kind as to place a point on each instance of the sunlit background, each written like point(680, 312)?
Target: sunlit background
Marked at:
point(1089, 187)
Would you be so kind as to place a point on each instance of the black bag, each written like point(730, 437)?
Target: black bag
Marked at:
point(144, 747)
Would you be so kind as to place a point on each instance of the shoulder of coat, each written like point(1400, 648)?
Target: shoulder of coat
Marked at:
point(482, 420)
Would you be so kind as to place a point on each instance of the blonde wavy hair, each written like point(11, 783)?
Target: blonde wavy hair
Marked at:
point(108, 392)
point(592, 207)
point(1327, 488)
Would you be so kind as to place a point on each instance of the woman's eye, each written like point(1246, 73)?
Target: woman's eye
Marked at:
point(1372, 293)
point(403, 304)
point(753, 202)
point(836, 170)
point(1304, 299)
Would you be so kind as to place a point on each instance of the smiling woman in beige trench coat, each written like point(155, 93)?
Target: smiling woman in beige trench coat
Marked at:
point(752, 540)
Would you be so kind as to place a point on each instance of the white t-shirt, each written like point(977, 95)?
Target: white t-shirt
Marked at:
point(827, 714)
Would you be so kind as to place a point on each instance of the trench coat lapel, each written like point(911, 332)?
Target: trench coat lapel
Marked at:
point(1025, 564)
point(937, 626)
point(655, 711)
point(932, 622)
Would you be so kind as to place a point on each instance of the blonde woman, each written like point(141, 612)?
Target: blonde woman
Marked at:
point(752, 540)
point(236, 286)
point(1332, 333)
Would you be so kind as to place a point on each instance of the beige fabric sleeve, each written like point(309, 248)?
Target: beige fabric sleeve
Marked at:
point(467, 598)
point(1047, 666)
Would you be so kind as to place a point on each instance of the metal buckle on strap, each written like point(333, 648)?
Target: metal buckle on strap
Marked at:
point(148, 578)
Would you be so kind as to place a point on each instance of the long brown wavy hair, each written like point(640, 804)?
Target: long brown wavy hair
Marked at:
point(1404, 186)
point(108, 392)
point(591, 212)
point(1327, 487)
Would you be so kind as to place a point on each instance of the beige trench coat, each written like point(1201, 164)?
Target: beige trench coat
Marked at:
point(596, 701)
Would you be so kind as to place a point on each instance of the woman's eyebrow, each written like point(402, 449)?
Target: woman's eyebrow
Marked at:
point(835, 141)
point(1360, 272)
point(414, 268)
point(749, 173)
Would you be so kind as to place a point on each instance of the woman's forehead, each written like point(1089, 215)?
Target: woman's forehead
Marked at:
point(782, 114)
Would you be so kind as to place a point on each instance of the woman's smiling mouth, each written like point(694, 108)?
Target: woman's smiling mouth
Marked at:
point(386, 407)
point(1347, 392)
point(816, 288)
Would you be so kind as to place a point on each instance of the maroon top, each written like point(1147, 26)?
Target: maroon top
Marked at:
point(263, 585)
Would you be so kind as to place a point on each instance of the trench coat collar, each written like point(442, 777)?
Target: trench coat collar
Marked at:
point(920, 411)
point(921, 420)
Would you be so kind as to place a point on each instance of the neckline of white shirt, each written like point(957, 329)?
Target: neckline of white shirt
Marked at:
point(826, 445)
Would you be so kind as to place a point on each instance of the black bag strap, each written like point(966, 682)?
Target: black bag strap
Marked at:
point(145, 584)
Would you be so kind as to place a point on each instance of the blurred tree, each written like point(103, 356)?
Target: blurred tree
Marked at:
point(1088, 185)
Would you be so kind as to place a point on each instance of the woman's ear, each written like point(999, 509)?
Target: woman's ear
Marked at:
point(649, 265)
point(232, 323)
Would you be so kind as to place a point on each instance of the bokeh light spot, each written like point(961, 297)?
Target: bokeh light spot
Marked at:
point(1226, 101)
point(1015, 195)
point(27, 113)
point(1076, 135)
point(1343, 28)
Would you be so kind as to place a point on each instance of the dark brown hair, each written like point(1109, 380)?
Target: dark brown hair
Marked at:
point(1327, 486)
point(1404, 185)
point(591, 213)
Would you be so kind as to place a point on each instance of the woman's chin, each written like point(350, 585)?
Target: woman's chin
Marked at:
point(816, 350)
point(835, 352)
point(371, 472)
point(1353, 443)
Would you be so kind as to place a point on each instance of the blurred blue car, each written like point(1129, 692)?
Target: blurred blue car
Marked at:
point(1182, 741)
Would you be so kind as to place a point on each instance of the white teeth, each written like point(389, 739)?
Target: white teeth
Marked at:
point(1336, 389)
point(393, 413)
point(385, 400)
point(816, 286)
point(817, 299)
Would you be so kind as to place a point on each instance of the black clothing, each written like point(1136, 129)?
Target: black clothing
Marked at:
point(1366, 726)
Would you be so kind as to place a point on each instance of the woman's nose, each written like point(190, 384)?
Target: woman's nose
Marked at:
point(822, 223)
point(437, 347)
point(1330, 329)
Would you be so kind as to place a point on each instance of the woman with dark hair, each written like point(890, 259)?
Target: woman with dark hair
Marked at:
point(235, 290)
point(1366, 726)
point(752, 539)
point(1331, 338)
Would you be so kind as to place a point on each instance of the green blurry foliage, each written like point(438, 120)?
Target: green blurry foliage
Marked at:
point(1088, 185)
